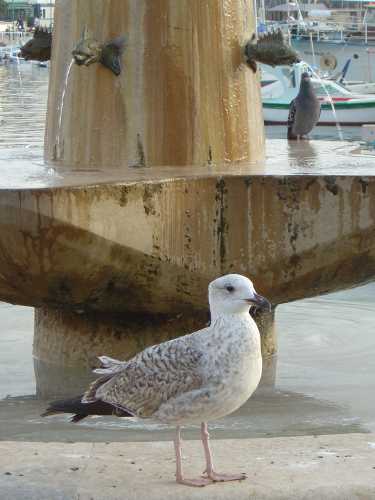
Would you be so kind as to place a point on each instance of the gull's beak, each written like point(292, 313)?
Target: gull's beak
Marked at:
point(259, 302)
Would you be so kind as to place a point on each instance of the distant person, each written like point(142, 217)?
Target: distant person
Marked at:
point(20, 24)
point(36, 23)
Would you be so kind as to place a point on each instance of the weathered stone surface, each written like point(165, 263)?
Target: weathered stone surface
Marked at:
point(335, 467)
point(147, 247)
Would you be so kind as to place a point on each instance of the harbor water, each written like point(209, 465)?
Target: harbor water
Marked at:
point(321, 382)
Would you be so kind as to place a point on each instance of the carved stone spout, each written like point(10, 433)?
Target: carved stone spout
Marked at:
point(89, 51)
point(39, 47)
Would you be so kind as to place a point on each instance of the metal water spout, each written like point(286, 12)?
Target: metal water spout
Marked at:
point(89, 51)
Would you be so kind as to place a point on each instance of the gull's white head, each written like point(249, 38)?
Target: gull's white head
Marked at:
point(234, 294)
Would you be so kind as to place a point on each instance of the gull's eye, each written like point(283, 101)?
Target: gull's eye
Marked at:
point(229, 288)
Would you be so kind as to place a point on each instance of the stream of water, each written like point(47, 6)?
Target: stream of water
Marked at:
point(61, 110)
point(324, 378)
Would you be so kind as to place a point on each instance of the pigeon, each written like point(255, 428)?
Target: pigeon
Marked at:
point(304, 110)
point(192, 379)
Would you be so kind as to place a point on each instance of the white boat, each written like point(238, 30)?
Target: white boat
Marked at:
point(11, 54)
point(354, 86)
point(359, 87)
point(281, 85)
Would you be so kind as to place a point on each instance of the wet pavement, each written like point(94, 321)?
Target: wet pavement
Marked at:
point(22, 117)
point(312, 158)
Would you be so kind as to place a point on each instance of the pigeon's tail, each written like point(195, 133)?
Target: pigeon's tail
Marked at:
point(82, 410)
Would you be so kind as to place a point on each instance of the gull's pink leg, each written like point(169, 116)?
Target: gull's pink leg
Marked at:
point(179, 477)
point(209, 472)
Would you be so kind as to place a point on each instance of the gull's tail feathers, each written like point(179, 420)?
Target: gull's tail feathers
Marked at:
point(109, 365)
point(90, 395)
point(82, 410)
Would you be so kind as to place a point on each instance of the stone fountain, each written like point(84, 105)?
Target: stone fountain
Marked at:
point(153, 186)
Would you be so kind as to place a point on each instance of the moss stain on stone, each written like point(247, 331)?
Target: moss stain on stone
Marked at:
point(210, 161)
point(331, 185)
point(149, 194)
point(141, 152)
point(222, 227)
point(123, 195)
point(364, 184)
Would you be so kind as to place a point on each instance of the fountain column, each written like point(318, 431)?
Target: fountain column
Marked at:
point(184, 97)
point(183, 101)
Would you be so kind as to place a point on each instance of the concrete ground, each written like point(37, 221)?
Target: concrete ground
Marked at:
point(335, 467)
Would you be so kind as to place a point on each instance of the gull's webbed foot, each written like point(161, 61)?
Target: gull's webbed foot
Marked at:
point(216, 477)
point(200, 483)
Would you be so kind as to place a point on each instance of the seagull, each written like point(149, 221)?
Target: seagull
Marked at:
point(192, 379)
point(304, 110)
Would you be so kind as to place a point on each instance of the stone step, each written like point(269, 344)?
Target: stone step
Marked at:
point(331, 467)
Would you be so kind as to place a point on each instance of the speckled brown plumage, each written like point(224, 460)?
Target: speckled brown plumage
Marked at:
point(151, 378)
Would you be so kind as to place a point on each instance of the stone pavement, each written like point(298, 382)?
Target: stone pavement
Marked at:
point(333, 467)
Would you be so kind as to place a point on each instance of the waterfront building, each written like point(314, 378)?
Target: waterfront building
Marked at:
point(19, 9)
point(44, 11)
point(29, 10)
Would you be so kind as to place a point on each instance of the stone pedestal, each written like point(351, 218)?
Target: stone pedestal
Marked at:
point(66, 345)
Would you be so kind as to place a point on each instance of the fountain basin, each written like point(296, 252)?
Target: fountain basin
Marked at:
point(114, 242)
point(118, 259)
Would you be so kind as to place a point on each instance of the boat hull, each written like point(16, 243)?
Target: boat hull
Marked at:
point(355, 112)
